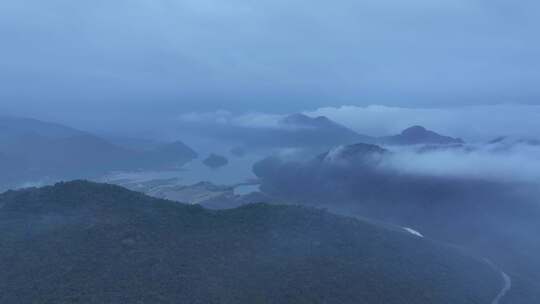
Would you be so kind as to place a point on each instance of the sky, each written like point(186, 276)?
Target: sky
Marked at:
point(125, 60)
point(198, 55)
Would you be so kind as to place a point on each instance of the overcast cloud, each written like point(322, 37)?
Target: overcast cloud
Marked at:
point(157, 57)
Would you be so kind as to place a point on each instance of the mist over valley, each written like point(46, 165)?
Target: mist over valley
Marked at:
point(269, 152)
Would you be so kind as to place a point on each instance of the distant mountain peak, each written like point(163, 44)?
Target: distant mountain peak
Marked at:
point(323, 129)
point(415, 130)
point(322, 118)
point(297, 117)
point(301, 119)
point(419, 135)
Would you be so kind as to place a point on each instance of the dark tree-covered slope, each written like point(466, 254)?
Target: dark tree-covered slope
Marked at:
point(496, 219)
point(82, 242)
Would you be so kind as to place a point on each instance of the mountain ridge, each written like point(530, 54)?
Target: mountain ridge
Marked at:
point(96, 243)
point(48, 151)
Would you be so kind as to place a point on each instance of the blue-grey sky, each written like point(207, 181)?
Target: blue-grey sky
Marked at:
point(151, 57)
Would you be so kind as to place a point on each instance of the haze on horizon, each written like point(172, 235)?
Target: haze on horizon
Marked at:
point(123, 61)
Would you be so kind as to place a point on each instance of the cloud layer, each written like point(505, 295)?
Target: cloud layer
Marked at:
point(222, 118)
point(520, 163)
point(468, 122)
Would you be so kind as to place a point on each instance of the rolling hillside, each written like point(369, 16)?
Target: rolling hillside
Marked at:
point(82, 242)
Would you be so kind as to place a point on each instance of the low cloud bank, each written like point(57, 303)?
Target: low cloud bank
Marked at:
point(519, 163)
point(225, 118)
point(473, 123)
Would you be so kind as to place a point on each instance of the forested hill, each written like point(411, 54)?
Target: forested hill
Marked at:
point(82, 242)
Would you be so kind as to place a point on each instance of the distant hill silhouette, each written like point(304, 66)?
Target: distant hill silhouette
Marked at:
point(419, 135)
point(44, 151)
point(215, 161)
point(291, 131)
point(17, 126)
point(320, 131)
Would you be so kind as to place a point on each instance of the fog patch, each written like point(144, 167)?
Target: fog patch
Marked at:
point(226, 118)
point(520, 163)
